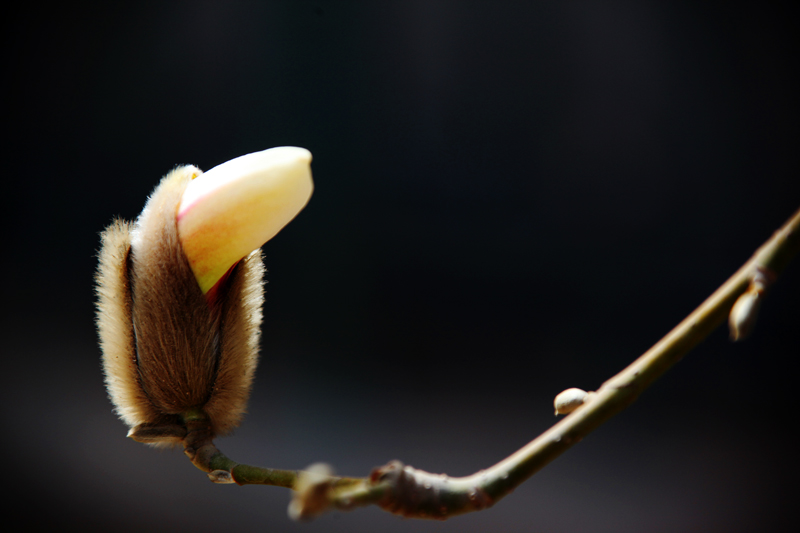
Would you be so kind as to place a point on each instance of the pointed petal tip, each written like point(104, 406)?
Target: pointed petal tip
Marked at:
point(267, 165)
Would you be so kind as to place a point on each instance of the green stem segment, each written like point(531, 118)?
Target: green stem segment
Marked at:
point(417, 494)
point(200, 448)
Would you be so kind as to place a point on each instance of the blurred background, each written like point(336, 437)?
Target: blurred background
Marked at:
point(511, 199)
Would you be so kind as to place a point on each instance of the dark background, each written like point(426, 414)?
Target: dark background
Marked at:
point(511, 199)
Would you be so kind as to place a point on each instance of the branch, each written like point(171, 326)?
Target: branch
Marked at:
point(413, 493)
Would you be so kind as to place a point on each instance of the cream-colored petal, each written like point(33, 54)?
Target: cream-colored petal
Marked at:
point(236, 207)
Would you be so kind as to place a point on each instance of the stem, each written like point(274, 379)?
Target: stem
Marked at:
point(200, 448)
point(417, 494)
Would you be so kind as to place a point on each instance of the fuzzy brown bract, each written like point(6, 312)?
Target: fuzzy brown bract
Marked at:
point(167, 349)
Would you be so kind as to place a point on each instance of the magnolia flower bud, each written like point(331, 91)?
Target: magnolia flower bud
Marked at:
point(168, 350)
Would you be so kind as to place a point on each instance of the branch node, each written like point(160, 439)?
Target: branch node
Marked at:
point(202, 456)
point(413, 493)
point(312, 492)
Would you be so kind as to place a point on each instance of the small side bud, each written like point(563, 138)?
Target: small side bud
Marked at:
point(311, 492)
point(222, 477)
point(744, 314)
point(571, 399)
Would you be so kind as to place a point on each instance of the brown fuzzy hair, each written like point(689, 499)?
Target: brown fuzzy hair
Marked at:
point(167, 349)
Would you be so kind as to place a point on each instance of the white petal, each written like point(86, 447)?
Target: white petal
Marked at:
point(236, 207)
